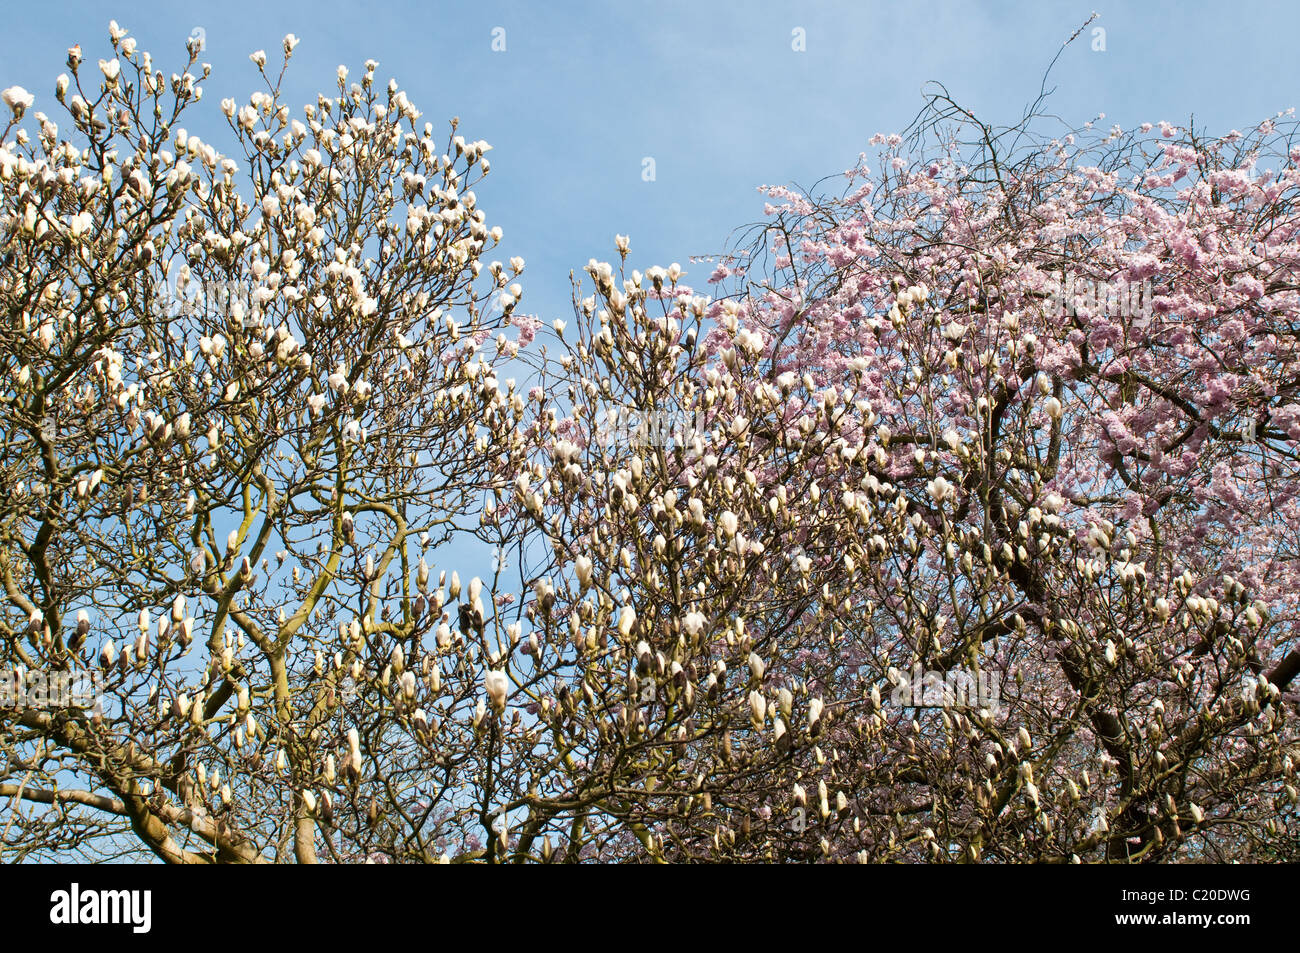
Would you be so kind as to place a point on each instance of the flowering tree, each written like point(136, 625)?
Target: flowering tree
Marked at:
point(1027, 414)
point(234, 415)
point(1016, 407)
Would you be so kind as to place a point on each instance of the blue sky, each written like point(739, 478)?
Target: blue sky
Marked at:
point(713, 92)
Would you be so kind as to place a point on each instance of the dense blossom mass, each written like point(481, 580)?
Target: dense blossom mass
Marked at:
point(1015, 413)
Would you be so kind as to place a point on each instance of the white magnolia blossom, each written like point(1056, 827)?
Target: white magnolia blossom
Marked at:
point(266, 405)
point(694, 623)
point(497, 686)
point(17, 99)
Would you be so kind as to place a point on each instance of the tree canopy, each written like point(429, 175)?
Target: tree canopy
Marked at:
point(955, 522)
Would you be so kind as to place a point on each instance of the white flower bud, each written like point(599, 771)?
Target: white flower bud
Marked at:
point(497, 686)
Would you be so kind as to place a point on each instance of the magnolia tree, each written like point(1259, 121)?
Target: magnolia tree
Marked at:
point(1020, 414)
point(241, 396)
point(955, 525)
